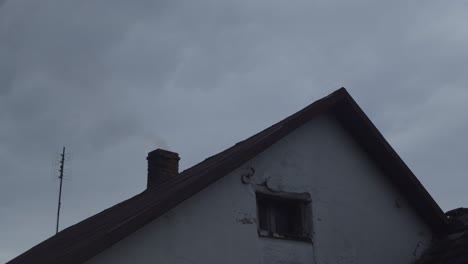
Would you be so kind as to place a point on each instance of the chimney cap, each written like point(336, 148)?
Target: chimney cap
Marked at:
point(163, 153)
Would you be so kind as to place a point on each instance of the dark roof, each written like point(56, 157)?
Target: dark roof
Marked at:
point(84, 240)
point(452, 248)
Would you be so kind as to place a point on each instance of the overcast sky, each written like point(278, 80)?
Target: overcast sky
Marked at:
point(113, 80)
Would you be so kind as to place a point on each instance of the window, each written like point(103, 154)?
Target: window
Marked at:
point(282, 217)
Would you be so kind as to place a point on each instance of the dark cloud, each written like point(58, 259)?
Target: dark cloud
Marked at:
point(113, 80)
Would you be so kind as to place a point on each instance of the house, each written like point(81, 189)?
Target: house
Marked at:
point(322, 186)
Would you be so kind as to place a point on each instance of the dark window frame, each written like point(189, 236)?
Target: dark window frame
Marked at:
point(284, 215)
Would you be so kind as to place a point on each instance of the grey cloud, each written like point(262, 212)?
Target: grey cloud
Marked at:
point(114, 79)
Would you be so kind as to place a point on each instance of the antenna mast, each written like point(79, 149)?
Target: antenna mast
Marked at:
point(62, 164)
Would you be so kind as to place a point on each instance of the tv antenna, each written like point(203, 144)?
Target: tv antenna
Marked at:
point(62, 164)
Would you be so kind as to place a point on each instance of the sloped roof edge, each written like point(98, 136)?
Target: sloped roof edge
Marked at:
point(91, 236)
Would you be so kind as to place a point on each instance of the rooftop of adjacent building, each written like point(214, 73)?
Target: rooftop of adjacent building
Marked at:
point(452, 246)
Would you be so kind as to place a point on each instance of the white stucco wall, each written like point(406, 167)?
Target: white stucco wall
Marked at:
point(355, 217)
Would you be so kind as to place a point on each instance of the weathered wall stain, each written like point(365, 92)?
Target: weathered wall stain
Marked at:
point(246, 221)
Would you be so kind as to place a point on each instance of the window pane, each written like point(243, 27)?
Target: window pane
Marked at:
point(262, 215)
point(284, 218)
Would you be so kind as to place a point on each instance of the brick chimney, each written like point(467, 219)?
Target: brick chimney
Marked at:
point(162, 165)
